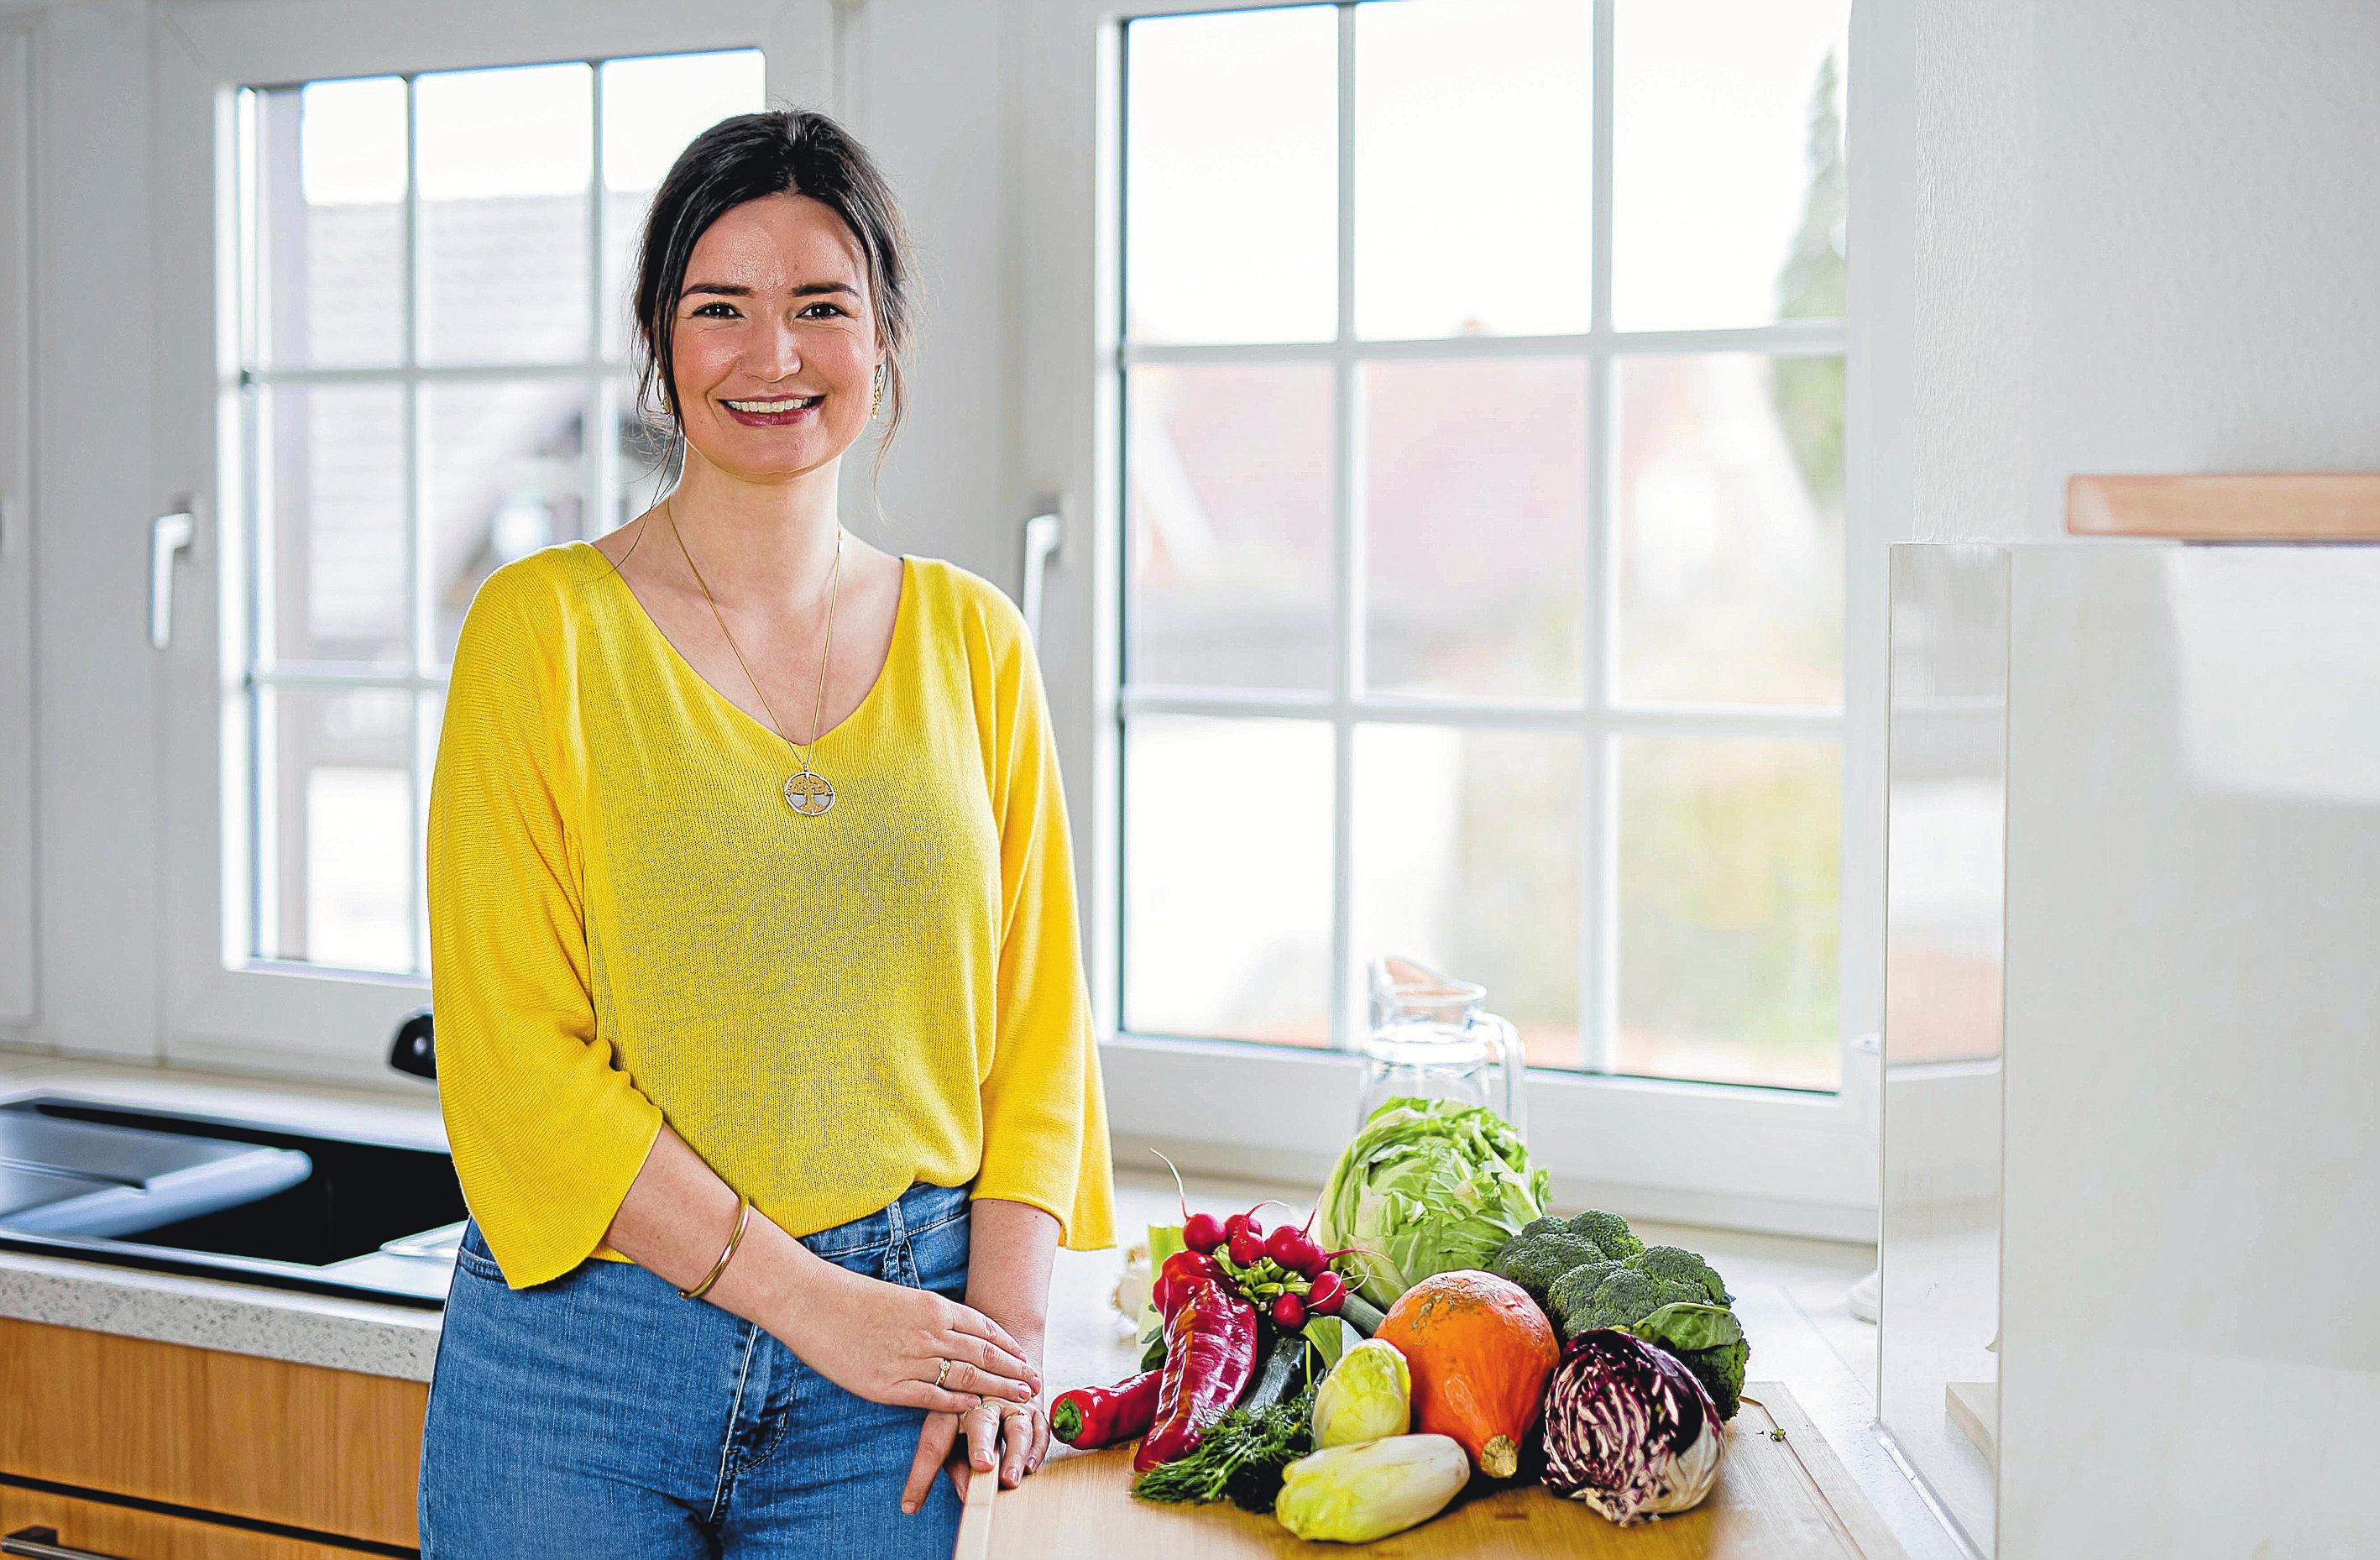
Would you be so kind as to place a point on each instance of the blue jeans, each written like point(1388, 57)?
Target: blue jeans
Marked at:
point(602, 1414)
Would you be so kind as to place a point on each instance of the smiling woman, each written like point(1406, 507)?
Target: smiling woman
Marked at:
point(771, 269)
point(706, 1032)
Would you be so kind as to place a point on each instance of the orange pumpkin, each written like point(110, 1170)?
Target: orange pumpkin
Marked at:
point(1480, 1351)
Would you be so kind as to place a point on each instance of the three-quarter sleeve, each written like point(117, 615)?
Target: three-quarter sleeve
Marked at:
point(1044, 1131)
point(546, 1132)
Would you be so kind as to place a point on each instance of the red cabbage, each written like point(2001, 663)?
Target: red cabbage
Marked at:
point(1628, 1428)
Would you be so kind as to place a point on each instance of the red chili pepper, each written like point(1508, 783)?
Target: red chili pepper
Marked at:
point(1181, 1269)
point(1101, 1415)
point(1210, 1352)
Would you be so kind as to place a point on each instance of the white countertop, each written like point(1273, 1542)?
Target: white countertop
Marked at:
point(1790, 1293)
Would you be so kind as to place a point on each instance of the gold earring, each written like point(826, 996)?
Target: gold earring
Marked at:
point(879, 393)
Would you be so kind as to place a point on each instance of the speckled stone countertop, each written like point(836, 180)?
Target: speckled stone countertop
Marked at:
point(346, 1334)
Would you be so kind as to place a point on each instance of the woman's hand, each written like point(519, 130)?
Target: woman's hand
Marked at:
point(887, 1342)
point(1013, 1435)
point(1010, 1249)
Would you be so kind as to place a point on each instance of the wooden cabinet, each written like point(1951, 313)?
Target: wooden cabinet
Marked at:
point(105, 1531)
point(325, 1457)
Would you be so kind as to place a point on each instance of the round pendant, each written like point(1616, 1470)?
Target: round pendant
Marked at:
point(808, 794)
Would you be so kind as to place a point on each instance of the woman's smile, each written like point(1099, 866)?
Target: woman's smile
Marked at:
point(773, 413)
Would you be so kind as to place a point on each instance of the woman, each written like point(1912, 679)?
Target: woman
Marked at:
point(764, 1047)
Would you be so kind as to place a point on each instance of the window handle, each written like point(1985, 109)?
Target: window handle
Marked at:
point(169, 534)
point(1040, 546)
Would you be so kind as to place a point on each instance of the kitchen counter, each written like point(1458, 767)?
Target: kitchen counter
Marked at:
point(1791, 1292)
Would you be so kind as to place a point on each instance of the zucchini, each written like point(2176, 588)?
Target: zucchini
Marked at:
point(1279, 1373)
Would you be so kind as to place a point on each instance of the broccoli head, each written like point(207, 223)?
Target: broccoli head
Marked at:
point(1608, 1231)
point(1707, 1340)
point(1540, 1254)
point(1612, 1295)
point(1681, 1266)
point(1721, 1370)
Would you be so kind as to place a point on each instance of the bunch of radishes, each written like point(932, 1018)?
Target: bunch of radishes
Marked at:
point(1286, 1274)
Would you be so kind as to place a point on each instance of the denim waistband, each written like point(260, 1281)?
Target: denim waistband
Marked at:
point(923, 1207)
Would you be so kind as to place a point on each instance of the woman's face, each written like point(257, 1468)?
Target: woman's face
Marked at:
point(774, 306)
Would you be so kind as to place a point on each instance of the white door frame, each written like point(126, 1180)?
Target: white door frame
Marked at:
point(292, 1020)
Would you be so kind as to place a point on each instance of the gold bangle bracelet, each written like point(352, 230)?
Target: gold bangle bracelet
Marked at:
point(743, 1217)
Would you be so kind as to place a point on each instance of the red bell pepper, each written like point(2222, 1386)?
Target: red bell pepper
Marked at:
point(1210, 1352)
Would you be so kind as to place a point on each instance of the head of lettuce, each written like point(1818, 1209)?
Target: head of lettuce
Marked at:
point(1427, 1187)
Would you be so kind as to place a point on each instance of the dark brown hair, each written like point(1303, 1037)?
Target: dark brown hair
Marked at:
point(741, 159)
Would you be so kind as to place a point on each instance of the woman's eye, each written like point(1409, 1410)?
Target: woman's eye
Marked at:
point(705, 309)
point(708, 307)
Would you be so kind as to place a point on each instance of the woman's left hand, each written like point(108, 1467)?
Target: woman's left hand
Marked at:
point(1014, 1437)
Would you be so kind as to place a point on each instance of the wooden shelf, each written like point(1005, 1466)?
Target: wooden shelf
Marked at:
point(2229, 507)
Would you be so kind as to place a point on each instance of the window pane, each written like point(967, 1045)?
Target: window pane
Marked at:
point(503, 473)
point(329, 170)
point(1230, 510)
point(1468, 858)
point(1730, 856)
point(1227, 879)
point(1232, 176)
point(338, 840)
point(505, 158)
point(1727, 163)
point(652, 106)
point(1729, 515)
point(331, 520)
point(1471, 167)
point(642, 463)
point(1475, 525)
point(431, 703)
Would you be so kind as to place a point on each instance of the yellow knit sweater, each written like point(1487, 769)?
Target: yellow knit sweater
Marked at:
point(628, 924)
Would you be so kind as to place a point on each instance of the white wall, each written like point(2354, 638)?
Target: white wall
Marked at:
point(2145, 242)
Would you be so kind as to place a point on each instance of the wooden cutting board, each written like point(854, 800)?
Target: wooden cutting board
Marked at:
point(1776, 1499)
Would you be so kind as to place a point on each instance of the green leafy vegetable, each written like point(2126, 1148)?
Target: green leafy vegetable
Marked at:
point(1427, 1186)
point(1240, 1457)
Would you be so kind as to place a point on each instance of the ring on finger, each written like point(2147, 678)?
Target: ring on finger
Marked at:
point(941, 1371)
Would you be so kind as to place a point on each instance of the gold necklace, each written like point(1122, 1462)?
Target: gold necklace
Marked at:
point(807, 792)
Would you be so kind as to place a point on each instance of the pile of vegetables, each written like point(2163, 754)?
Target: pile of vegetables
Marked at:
point(1456, 1330)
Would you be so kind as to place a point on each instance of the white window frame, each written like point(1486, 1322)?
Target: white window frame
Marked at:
point(1708, 1154)
point(17, 390)
point(223, 1010)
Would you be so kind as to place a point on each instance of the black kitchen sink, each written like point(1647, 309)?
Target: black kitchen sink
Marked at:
point(376, 1221)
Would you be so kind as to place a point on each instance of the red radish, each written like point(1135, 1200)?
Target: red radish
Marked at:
point(1203, 1232)
point(1328, 1293)
point(1247, 1221)
point(1288, 1313)
point(1246, 1248)
point(1294, 1250)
